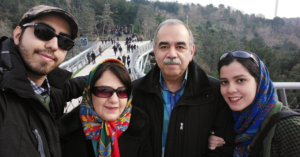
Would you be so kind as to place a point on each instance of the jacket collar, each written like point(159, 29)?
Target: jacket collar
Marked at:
point(15, 78)
point(197, 80)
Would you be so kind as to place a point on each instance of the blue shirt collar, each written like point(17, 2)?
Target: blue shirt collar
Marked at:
point(164, 87)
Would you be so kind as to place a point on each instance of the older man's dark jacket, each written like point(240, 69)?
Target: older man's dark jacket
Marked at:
point(199, 110)
point(27, 127)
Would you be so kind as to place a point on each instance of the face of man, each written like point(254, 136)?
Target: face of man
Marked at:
point(173, 50)
point(40, 56)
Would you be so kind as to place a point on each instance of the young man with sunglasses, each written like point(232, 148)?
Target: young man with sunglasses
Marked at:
point(31, 98)
point(183, 103)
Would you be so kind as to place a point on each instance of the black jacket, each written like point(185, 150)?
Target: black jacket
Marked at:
point(199, 110)
point(134, 142)
point(25, 123)
point(93, 55)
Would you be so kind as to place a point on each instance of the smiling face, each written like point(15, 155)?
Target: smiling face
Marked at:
point(173, 50)
point(111, 108)
point(238, 86)
point(40, 56)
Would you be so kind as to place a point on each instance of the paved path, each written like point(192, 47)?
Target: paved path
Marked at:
point(108, 53)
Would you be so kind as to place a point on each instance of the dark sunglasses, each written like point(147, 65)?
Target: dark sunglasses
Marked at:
point(46, 33)
point(106, 92)
point(240, 54)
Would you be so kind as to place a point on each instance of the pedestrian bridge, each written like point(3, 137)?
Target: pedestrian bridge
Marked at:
point(142, 60)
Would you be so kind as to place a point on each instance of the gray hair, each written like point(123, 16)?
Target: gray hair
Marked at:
point(174, 22)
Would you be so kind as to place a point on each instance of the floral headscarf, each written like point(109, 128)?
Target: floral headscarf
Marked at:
point(95, 128)
point(248, 122)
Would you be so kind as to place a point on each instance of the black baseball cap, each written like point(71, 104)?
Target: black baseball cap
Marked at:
point(39, 10)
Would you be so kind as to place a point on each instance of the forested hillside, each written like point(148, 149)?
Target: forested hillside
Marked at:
point(216, 29)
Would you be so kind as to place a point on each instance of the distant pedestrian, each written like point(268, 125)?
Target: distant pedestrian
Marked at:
point(124, 59)
point(93, 55)
point(120, 49)
point(129, 70)
point(119, 58)
point(128, 60)
point(100, 50)
point(128, 48)
point(88, 57)
point(131, 48)
point(115, 49)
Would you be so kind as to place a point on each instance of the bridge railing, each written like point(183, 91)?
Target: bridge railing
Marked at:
point(281, 88)
point(138, 60)
point(80, 60)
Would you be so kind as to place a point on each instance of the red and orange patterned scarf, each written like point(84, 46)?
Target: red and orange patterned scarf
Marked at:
point(95, 128)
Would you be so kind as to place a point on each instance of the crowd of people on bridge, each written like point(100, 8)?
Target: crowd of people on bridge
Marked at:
point(117, 31)
point(175, 110)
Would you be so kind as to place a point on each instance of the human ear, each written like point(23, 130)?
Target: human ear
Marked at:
point(16, 34)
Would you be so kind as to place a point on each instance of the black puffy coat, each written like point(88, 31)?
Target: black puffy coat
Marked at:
point(26, 125)
point(199, 110)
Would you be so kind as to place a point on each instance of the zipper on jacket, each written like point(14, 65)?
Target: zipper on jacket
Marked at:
point(181, 126)
point(40, 142)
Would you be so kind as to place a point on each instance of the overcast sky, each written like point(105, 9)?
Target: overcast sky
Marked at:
point(286, 8)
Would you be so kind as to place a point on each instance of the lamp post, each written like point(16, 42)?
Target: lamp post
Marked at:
point(187, 19)
point(276, 8)
point(131, 28)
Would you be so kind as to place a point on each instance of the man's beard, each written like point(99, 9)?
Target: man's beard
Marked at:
point(41, 68)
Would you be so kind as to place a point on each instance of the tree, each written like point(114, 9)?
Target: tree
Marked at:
point(145, 2)
point(124, 13)
point(105, 18)
point(289, 46)
point(232, 21)
point(5, 28)
point(86, 20)
point(294, 75)
point(146, 20)
point(186, 8)
point(277, 23)
point(258, 40)
point(171, 7)
point(159, 18)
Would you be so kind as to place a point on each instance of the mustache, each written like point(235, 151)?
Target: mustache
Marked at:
point(172, 61)
point(45, 50)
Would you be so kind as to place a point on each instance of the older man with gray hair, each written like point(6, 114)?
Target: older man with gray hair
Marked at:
point(183, 103)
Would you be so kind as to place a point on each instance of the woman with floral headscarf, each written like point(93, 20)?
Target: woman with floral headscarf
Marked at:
point(249, 92)
point(105, 124)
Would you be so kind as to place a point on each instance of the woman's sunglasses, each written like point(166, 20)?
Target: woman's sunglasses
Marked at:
point(46, 33)
point(106, 92)
point(240, 54)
